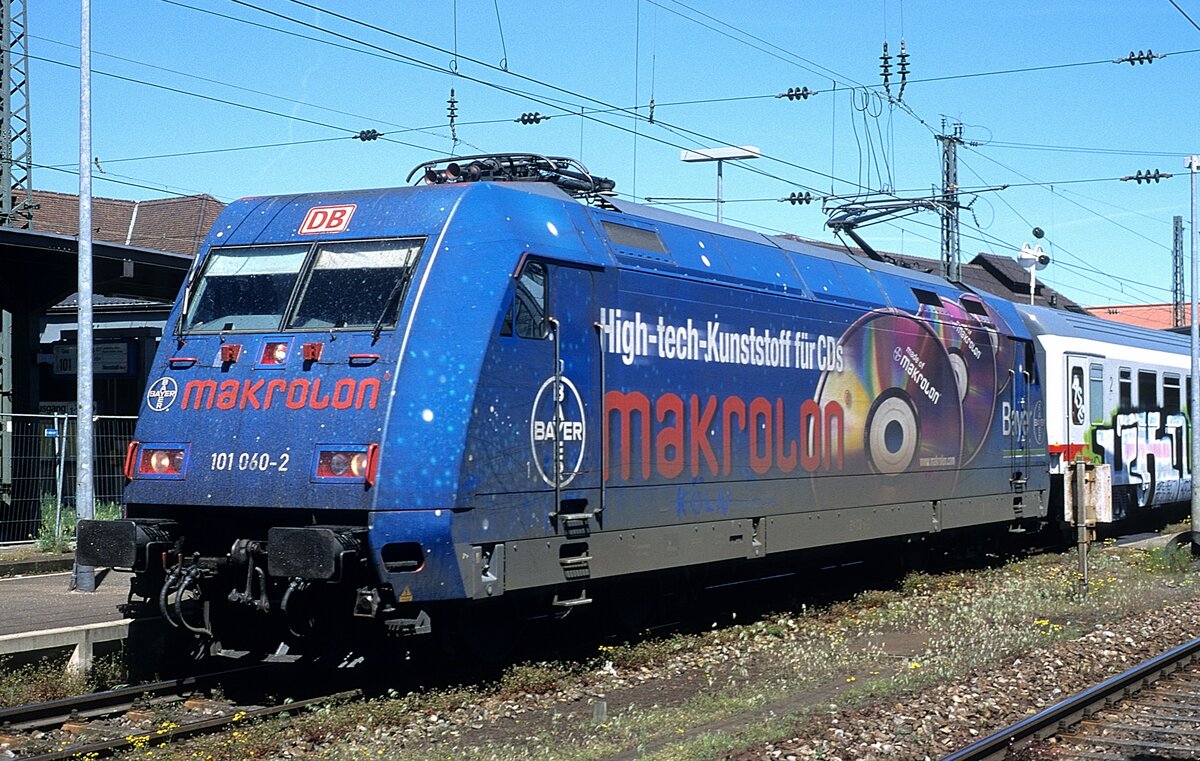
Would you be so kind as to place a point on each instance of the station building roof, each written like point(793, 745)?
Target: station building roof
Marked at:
point(140, 249)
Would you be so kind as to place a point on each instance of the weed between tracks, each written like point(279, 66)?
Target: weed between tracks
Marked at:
point(48, 679)
point(703, 696)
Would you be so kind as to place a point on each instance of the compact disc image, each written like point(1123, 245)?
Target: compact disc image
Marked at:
point(900, 402)
point(971, 348)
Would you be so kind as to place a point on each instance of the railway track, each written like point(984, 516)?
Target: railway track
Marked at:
point(1149, 711)
point(104, 723)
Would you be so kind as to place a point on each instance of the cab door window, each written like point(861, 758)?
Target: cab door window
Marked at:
point(526, 315)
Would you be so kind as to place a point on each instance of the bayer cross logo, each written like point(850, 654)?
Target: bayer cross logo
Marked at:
point(557, 431)
point(161, 394)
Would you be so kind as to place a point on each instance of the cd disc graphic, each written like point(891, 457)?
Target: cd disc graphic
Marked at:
point(971, 348)
point(900, 404)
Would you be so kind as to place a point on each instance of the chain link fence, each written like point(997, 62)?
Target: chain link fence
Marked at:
point(37, 473)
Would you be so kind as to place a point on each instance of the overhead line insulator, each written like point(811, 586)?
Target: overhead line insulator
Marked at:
point(1148, 176)
point(903, 70)
point(885, 68)
point(797, 199)
point(1142, 56)
point(797, 93)
point(368, 135)
point(531, 118)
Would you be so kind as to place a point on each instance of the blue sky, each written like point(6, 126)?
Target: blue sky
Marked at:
point(255, 111)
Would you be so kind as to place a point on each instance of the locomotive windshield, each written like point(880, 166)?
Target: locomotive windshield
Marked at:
point(355, 284)
point(245, 288)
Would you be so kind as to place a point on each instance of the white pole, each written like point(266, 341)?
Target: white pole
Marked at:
point(83, 579)
point(720, 191)
point(1193, 163)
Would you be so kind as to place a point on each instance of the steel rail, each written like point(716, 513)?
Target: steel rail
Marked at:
point(1067, 712)
point(142, 738)
point(54, 712)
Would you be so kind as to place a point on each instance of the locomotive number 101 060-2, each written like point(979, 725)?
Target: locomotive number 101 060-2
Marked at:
point(253, 461)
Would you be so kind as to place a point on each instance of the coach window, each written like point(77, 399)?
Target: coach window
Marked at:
point(1171, 400)
point(1125, 386)
point(526, 317)
point(1147, 389)
point(1096, 392)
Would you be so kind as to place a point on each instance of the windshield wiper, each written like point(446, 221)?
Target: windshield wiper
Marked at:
point(387, 306)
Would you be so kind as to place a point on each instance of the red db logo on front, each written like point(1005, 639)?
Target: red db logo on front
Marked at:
point(327, 219)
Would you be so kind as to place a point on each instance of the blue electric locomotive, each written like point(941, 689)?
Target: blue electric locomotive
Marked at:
point(388, 406)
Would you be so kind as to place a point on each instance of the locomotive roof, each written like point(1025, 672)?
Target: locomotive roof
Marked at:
point(1058, 322)
point(734, 255)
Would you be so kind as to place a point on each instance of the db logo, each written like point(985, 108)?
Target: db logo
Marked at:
point(327, 219)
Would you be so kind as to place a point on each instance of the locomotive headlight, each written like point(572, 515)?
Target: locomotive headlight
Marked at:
point(274, 353)
point(339, 463)
point(346, 464)
point(161, 461)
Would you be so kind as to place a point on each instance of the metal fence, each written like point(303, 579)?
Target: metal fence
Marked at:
point(37, 472)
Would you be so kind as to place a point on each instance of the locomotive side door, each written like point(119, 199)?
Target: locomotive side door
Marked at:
point(565, 421)
point(1020, 416)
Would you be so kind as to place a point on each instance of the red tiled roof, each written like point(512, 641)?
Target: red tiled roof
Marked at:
point(1157, 316)
point(177, 225)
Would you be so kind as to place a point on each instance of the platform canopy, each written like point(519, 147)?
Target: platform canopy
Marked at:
point(38, 270)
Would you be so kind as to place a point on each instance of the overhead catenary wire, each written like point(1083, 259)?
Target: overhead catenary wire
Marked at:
point(790, 183)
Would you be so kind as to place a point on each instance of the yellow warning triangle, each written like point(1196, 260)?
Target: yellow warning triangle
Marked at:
point(406, 595)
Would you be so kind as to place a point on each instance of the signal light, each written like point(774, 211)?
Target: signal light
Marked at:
point(160, 462)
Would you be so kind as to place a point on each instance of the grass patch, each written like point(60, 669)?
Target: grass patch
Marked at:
point(48, 679)
point(56, 532)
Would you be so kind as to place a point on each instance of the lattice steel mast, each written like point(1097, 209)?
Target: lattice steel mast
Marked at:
point(1179, 311)
point(950, 252)
point(16, 155)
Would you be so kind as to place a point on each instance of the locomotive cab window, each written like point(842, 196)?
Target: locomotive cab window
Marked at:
point(355, 285)
point(526, 316)
point(244, 288)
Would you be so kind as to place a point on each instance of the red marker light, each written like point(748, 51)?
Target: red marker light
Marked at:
point(161, 462)
point(312, 351)
point(349, 464)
